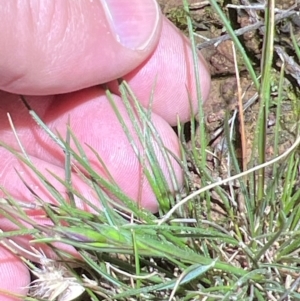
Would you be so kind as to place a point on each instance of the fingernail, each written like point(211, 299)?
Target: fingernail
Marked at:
point(134, 22)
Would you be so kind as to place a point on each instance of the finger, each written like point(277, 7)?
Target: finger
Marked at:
point(95, 125)
point(21, 182)
point(14, 276)
point(61, 46)
point(167, 79)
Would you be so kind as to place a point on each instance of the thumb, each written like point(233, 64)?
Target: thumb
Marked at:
point(62, 46)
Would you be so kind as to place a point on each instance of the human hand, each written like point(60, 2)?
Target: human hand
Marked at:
point(65, 46)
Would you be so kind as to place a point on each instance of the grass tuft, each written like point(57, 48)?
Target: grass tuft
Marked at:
point(249, 250)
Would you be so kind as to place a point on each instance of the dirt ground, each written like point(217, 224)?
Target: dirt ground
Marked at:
point(224, 92)
point(224, 95)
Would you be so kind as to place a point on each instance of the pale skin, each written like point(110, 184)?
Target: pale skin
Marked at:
point(69, 48)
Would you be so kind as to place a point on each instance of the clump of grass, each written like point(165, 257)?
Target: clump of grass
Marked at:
point(184, 253)
point(126, 251)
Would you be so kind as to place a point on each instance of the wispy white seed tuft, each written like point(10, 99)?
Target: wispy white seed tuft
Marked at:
point(54, 282)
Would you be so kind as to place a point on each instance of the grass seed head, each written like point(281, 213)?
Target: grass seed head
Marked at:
point(54, 282)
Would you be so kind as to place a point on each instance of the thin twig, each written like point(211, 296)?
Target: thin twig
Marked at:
point(222, 182)
point(241, 112)
point(17, 137)
point(292, 67)
point(241, 31)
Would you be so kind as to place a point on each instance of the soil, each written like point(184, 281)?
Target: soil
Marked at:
point(224, 93)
